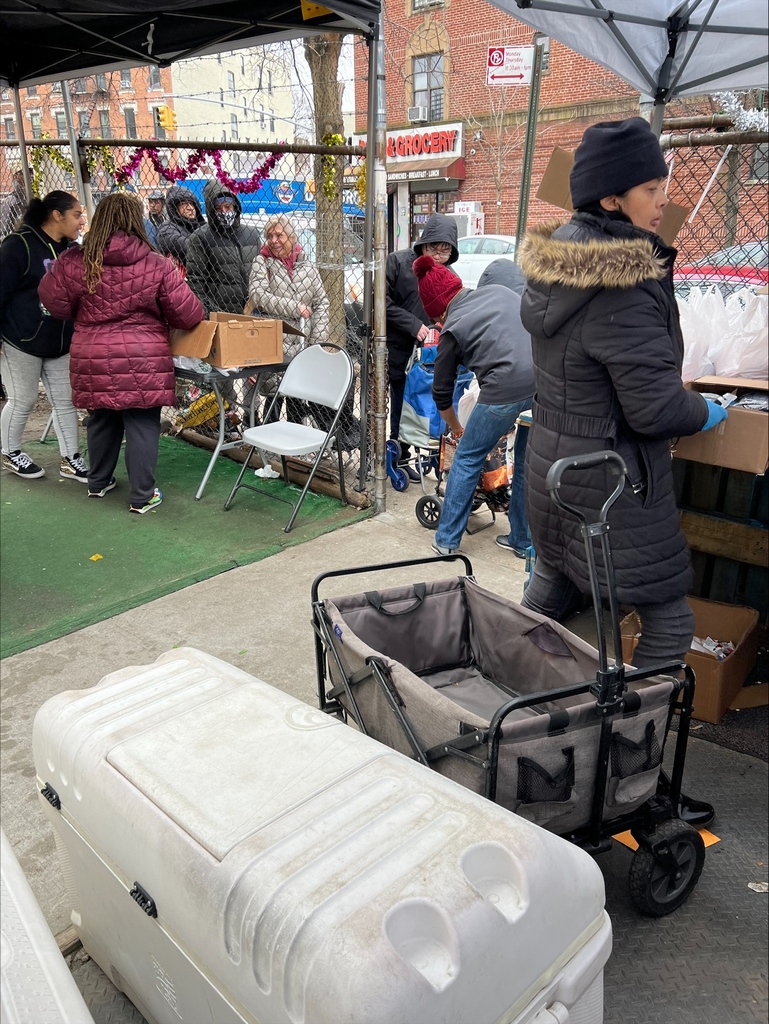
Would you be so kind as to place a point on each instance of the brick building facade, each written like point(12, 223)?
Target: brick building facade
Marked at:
point(436, 57)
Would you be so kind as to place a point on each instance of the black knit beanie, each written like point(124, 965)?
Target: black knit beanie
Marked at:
point(613, 157)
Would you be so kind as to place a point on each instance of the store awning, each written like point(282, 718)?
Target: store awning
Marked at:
point(419, 170)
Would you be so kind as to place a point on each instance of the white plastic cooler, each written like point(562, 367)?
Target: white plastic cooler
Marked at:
point(232, 854)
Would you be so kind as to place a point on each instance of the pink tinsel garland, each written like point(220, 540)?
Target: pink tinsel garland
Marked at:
point(198, 157)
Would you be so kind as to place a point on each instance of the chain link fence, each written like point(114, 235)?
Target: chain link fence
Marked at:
point(275, 251)
point(721, 178)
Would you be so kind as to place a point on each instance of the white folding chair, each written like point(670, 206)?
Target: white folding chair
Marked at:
point(319, 374)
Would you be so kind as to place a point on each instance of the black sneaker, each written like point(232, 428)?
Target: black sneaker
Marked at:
point(99, 493)
point(19, 462)
point(74, 468)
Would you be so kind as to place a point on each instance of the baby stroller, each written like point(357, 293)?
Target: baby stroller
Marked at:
point(421, 425)
point(492, 490)
point(513, 706)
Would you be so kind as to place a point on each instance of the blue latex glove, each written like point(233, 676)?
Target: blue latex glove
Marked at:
point(716, 413)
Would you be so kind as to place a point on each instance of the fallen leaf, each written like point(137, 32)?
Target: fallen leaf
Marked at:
point(95, 558)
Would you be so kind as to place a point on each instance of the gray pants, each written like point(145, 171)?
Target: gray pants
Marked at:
point(105, 436)
point(666, 629)
point(22, 374)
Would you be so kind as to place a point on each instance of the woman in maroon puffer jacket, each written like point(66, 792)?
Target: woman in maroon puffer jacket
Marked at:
point(123, 298)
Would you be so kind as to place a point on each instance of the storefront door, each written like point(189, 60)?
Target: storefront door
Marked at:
point(425, 204)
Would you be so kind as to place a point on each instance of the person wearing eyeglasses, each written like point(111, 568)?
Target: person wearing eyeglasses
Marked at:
point(183, 218)
point(407, 321)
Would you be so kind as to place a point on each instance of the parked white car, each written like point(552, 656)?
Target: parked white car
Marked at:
point(476, 252)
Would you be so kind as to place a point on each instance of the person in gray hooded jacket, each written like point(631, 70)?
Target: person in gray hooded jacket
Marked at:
point(407, 321)
point(221, 253)
point(482, 332)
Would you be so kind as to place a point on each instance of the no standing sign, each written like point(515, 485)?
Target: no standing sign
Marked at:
point(509, 65)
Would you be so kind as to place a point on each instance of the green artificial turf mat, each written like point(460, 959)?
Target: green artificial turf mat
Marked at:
point(51, 533)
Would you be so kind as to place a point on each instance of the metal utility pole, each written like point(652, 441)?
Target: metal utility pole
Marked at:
point(22, 143)
point(531, 138)
point(83, 187)
point(376, 208)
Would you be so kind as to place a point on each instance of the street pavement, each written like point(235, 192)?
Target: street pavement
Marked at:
point(256, 617)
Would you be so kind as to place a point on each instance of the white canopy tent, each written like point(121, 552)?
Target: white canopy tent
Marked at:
point(665, 48)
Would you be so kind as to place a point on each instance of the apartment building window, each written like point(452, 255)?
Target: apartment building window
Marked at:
point(160, 132)
point(10, 128)
point(79, 85)
point(5, 94)
point(261, 119)
point(221, 97)
point(231, 82)
point(421, 5)
point(105, 128)
point(101, 83)
point(130, 122)
point(55, 86)
point(32, 90)
point(61, 124)
point(272, 120)
point(34, 122)
point(154, 77)
point(269, 83)
point(84, 123)
point(759, 162)
point(428, 84)
point(242, 64)
point(234, 127)
point(125, 78)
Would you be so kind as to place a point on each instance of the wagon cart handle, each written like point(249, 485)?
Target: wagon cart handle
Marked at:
point(615, 463)
point(610, 682)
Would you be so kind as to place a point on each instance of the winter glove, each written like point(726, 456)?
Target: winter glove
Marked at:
point(716, 413)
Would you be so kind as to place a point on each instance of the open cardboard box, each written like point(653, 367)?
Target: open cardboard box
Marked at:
point(739, 442)
point(554, 188)
point(228, 340)
point(718, 682)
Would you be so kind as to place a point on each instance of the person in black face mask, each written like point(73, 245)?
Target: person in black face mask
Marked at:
point(221, 252)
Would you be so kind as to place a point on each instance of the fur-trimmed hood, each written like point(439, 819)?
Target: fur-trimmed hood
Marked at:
point(585, 259)
point(567, 265)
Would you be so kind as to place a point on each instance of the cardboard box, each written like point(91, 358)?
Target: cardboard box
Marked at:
point(739, 442)
point(554, 188)
point(718, 682)
point(228, 340)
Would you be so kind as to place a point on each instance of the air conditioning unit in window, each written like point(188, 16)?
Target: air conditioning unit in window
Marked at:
point(420, 5)
point(417, 115)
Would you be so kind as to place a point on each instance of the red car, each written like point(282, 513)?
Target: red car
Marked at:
point(748, 261)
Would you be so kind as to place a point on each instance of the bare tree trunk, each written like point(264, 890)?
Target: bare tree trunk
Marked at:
point(322, 55)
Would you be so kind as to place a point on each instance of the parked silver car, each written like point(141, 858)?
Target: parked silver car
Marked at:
point(476, 252)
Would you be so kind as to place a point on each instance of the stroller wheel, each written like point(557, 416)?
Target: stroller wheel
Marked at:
point(428, 511)
point(656, 888)
point(400, 480)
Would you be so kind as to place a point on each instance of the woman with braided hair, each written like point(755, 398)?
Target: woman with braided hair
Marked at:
point(123, 297)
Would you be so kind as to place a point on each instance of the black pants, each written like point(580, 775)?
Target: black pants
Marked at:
point(105, 434)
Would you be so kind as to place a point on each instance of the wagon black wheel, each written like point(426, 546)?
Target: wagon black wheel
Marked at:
point(428, 511)
point(655, 888)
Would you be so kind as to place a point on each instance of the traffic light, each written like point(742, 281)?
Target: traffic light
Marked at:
point(166, 118)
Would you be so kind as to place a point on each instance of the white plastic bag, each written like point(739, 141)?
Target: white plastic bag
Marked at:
point(742, 351)
point(468, 401)
point(703, 321)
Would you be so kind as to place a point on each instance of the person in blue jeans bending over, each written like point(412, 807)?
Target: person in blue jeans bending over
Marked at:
point(482, 331)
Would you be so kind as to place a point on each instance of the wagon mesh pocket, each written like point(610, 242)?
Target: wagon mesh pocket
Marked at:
point(629, 758)
point(537, 785)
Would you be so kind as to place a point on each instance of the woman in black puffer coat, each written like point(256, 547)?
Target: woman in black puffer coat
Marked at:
point(608, 351)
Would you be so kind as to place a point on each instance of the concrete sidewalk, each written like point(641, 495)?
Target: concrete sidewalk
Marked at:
point(256, 617)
